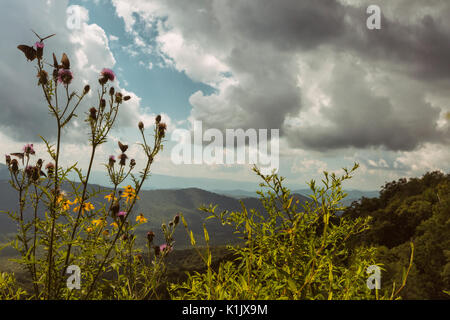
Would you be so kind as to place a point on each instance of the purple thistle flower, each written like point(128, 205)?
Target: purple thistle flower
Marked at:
point(65, 76)
point(28, 149)
point(112, 160)
point(122, 214)
point(165, 248)
point(108, 74)
point(39, 45)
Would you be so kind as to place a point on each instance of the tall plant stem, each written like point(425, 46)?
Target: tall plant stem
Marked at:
point(53, 212)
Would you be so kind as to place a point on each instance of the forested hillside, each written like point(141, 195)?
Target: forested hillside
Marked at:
point(417, 210)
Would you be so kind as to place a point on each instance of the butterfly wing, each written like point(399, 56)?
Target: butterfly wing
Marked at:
point(48, 37)
point(55, 62)
point(122, 147)
point(30, 52)
point(19, 155)
point(65, 61)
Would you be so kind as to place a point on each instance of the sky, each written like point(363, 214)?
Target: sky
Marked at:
point(337, 92)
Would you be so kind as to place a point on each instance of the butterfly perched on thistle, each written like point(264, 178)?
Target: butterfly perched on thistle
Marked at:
point(30, 52)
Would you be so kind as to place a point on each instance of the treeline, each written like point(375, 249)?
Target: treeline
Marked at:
point(417, 210)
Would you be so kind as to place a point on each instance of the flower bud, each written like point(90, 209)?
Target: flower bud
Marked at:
point(36, 174)
point(118, 97)
point(111, 91)
point(132, 163)
point(141, 125)
point(122, 215)
point(43, 77)
point(29, 171)
point(102, 104)
point(123, 158)
point(112, 161)
point(86, 89)
point(158, 119)
point(157, 250)
point(126, 98)
point(14, 165)
point(93, 113)
point(176, 219)
point(162, 127)
point(150, 236)
point(8, 159)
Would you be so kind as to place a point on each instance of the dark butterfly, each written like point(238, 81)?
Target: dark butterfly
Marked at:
point(123, 147)
point(42, 39)
point(30, 52)
point(55, 62)
point(65, 61)
point(19, 155)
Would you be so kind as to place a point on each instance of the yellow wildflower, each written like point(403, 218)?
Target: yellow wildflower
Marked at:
point(89, 229)
point(129, 193)
point(87, 206)
point(115, 225)
point(110, 197)
point(141, 219)
point(98, 222)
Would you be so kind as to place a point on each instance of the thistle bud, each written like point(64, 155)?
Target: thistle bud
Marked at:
point(122, 215)
point(112, 161)
point(126, 98)
point(86, 89)
point(157, 250)
point(29, 171)
point(43, 77)
point(150, 236)
point(176, 219)
point(141, 125)
point(102, 104)
point(118, 97)
point(93, 113)
point(36, 174)
point(14, 165)
point(162, 127)
point(132, 163)
point(158, 119)
point(39, 50)
point(39, 163)
point(8, 159)
point(123, 158)
point(111, 91)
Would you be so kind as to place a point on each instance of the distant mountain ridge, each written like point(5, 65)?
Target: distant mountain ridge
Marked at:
point(162, 205)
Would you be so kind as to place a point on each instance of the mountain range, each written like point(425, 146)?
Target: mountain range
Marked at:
point(162, 205)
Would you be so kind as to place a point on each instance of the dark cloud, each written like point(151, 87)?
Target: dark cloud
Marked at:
point(25, 115)
point(263, 41)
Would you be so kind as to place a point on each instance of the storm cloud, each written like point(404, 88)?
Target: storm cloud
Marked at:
point(260, 46)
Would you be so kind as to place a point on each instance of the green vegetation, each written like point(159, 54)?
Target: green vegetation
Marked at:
point(415, 210)
point(292, 252)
